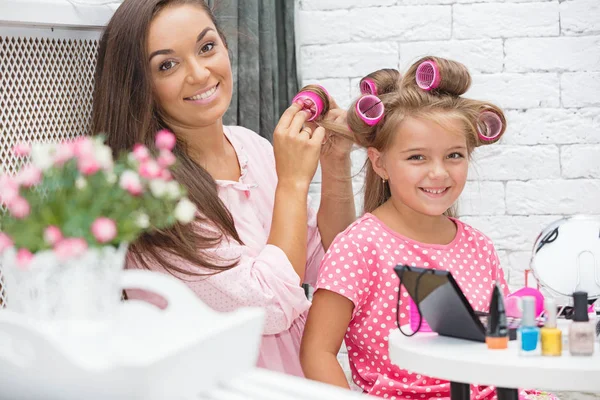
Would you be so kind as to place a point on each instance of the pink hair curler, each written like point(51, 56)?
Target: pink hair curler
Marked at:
point(367, 86)
point(317, 103)
point(428, 75)
point(323, 88)
point(489, 126)
point(370, 109)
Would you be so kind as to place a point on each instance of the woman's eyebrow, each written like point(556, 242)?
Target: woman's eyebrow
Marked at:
point(170, 51)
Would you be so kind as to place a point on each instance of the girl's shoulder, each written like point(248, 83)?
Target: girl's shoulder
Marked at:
point(471, 235)
point(357, 235)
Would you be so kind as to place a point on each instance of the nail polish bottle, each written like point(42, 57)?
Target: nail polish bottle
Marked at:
point(551, 335)
point(497, 326)
point(582, 333)
point(529, 333)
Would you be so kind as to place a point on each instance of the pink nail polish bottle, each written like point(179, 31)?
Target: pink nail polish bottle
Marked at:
point(582, 332)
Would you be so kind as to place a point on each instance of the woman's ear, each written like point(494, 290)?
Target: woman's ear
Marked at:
point(376, 158)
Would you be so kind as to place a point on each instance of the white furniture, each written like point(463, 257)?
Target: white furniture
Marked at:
point(260, 384)
point(142, 353)
point(463, 362)
point(186, 351)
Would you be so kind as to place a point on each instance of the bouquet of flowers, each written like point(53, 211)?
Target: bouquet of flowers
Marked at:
point(69, 215)
point(73, 196)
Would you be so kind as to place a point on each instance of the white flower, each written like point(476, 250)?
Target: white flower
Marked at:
point(130, 181)
point(42, 155)
point(111, 178)
point(103, 155)
point(173, 191)
point(185, 211)
point(142, 220)
point(80, 182)
point(158, 187)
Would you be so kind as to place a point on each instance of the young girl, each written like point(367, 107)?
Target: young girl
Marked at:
point(419, 133)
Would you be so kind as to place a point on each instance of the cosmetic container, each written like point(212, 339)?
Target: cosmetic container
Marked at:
point(529, 333)
point(497, 326)
point(582, 333)
point(551, 336)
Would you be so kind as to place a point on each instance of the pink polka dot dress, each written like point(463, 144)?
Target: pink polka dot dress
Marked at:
point(359, 265)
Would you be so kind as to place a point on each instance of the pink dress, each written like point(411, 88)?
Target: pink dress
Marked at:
point(264, 276)
point(359, 265)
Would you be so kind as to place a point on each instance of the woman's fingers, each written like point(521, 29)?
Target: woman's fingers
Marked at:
point(298, 122)
point(288, 116)
point(318, 136)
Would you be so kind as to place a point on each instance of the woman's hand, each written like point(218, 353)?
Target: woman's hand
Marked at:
point(297, 147)
point(335, 146)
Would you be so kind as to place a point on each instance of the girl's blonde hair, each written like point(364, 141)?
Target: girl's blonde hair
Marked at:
point(402, 98)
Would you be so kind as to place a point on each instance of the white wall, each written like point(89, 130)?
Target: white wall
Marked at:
point(539, 60)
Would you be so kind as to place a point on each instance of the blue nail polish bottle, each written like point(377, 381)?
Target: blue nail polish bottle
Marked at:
point(529, 333)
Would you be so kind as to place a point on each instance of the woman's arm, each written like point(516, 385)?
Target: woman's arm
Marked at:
point(328, 319)
point(297, 154)
point(337, 209)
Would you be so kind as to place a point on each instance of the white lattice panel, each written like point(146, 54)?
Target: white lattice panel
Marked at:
point(46, 88)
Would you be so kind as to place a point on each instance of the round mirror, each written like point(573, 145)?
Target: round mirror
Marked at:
point(566, 257)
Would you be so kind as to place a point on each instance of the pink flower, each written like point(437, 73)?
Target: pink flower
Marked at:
point(24, 257)
point(22, 150)
point(9, 189)
point(149, 169)
point(30, 175)
point(104, 229)
point(52, 235)
point(130, 181)
point(166, 158)
point(88, 165)
point(141, 152)
point(64, 152)
point(71, 247)
point(83, 147)
point(165, 175)
point(165, 140)
point(19, 207)
point(5, 242)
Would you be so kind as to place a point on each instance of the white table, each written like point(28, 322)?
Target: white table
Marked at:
point(462, 362)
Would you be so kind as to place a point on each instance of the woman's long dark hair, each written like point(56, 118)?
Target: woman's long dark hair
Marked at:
point(124, 110)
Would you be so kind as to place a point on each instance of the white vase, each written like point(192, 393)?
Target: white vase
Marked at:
point(82, 288)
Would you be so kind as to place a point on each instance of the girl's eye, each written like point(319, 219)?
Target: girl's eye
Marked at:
point(416, 158)
point(207, 47)
point(167, 65)
point(456, 156)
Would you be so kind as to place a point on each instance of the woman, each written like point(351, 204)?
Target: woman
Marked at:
point(164, 64)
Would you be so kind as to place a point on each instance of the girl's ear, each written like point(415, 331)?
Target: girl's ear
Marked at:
point(376, 158)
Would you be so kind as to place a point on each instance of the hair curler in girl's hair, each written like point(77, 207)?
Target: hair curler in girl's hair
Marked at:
point(317, 97)
point(428, 75)
point(489, 126)
point(367, 86)
point(370, 109)
point(434, 73)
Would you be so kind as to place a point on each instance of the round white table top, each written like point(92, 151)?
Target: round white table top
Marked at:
point(467, 361)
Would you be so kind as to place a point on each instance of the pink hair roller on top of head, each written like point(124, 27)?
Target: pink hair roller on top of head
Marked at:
point(428, 75)
point(489, 126)
point(367, 86)
point(370, 109)
point(316, 107)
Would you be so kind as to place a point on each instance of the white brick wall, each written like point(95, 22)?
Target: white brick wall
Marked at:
point(540, 60)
